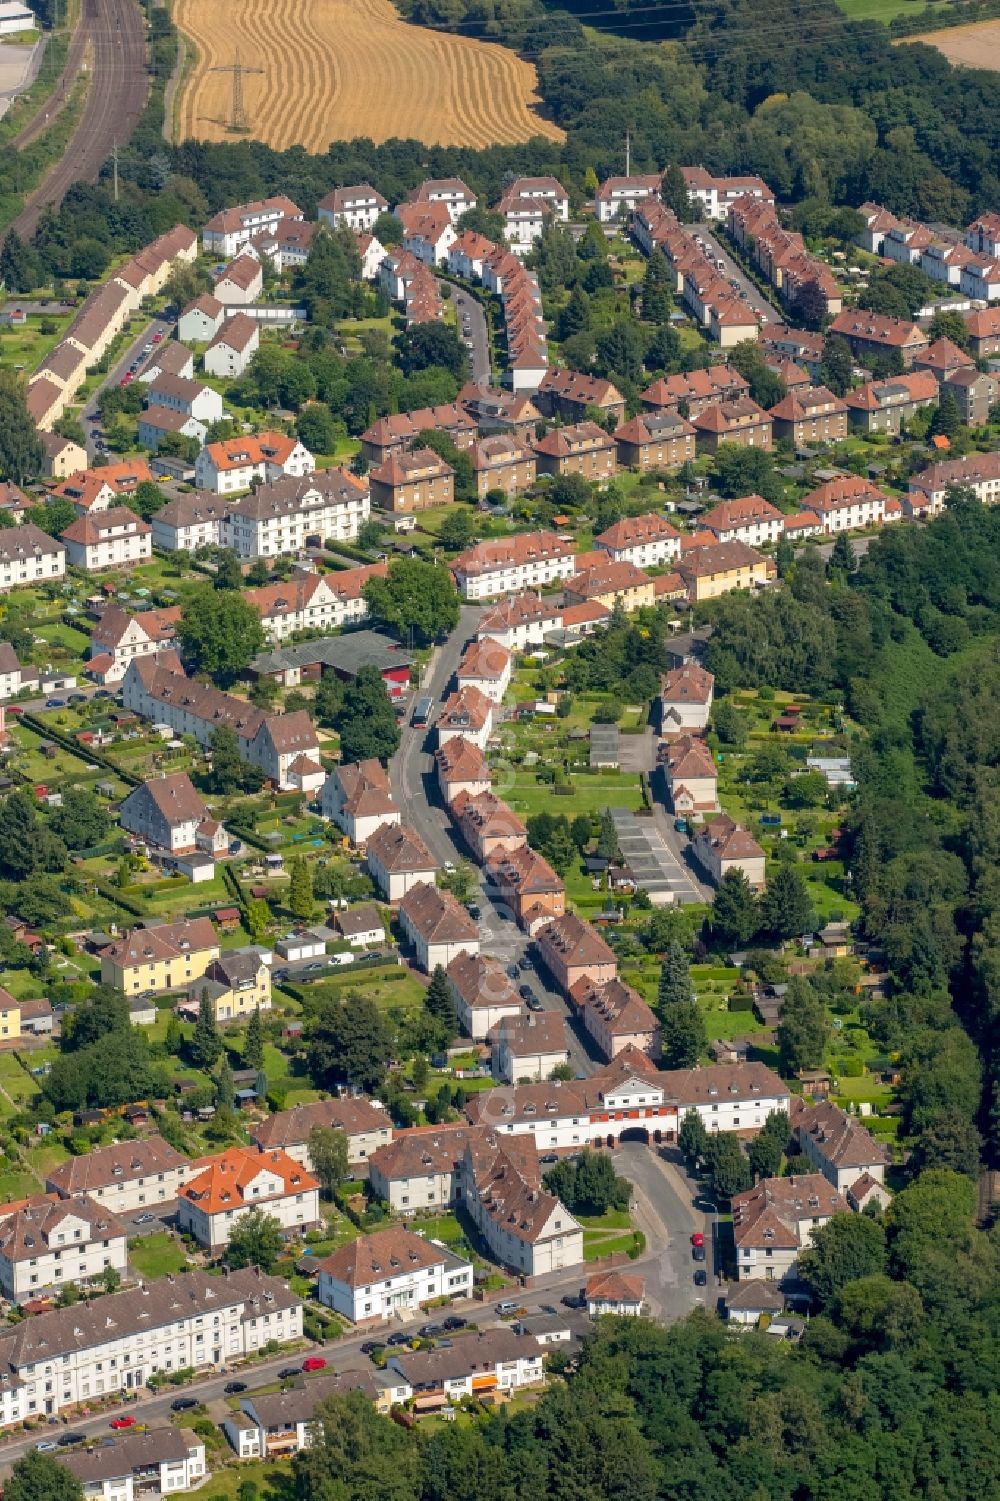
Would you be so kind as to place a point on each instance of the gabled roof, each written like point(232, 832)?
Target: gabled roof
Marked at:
point(399, 849)
point(437, 916)
point(223, 1180)
point(688, 684)
point(173, 796)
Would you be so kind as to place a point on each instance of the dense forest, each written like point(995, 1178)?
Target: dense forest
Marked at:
point(908, 642)
point(891, 1395)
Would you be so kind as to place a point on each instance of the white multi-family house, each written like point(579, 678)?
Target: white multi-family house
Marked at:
point(201, 319)
point(751, 519)
point(354, 208)
point(483, 993)
point(159, 422)
point(645, 541)
point(227, 1187)
point(727, 1096)
point(358, 799)
point(116, 538)
point(776, 1220)
point(428, 231)
point(14, 677)
point(838, 1146)
point(46, 1244)
point(527, 206)
point(167, 813)
point(241, 283)
point(722, 845)
point(686, 698)
point(273, 1425)
point(451, 192)
point(227, 467)
point(284, 746)
point(233, 347)
point(397, 860)
point(123, 1177)
point(29, 556)
point(226, 232)
point(418, 1170)
point(497, 1360)
point(437, 926)
point(291, 513)
point(130, 1465)
point(377, 1276)
point(617, 196)
point(91, 1350)
point(372, 253)
point(188, 522)
point(365, 1123)
point(191, 397)
point(486, 666)
point(468, 713)
point(508, 565)
point(526, 1228)
point(313, 601)
point(526, 1048)
point(847, 504)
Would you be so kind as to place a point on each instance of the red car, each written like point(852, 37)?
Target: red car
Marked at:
point(157, 338)
point(314, 1363)
point(697, 1239)
point(128, 1421)
point(127, 379)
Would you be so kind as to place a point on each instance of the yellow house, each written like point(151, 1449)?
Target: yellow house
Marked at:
point(710, 571)
point(10, 1017)
point(238, 984)
point(600, 581)
point(167, 957)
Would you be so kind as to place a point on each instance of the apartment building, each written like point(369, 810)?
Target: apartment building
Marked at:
point(886, 406)
point(29, 556)
point(841, 1148)
point(90, 1350)
point(376, 1276)
point(616, 1017)
point(503, 462)
point(527, 206)
point(237, 985)
point(437, 926)
point(225, 1188)
point(928, 490)
point(293, 513)
point(398, 432)
point(155, 959)
point(776, 1219)
point(241, 283)
point(483, 993)
point(575, 397)
point(691, 776)
point(697, 390)
point(809, 415)
point(876, 333)
point(722, 845)
point(582, 448)
point(355, 207)
point(605, 582)
point(708, 572)
point(525, 882)
point(358, 799)
point(308, 601)
point(233, 347)
point(188, 522)
point(686, 698)
point(751, 520)
point(644, 541)
point(201, 320)
point(128, 1466)
point(451, 192)
point(231, 466)
point(847, 504)
point(525, 1227)
point(365, 1124)
point(572, 950)
point(397, 860)
point(616, 197)
point(509, 565)
point(655, 440)
point(412, 481)
point(487, 824)
point(727, 1096)
point(123, 1177)
point(741, 422)
point(461, 767)
point(167, 813)
point(487, 666)
point(526, 1048)
point(496, 1360)
point(46, 1242)
point(468, 713)
point(284, 746)
point(418, 1171)
point(716, 195)
point(232, 228)
point(273, 1425)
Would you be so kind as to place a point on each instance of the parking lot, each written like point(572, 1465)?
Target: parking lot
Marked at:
point(654, 866)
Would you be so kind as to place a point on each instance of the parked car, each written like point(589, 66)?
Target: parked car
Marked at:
point(698, 1253)
point(128, 1421)
point(289, 1372)
point(534, 1004)
point(573, 1300)
point(526, 993)
point(399, 1339)
point(67, 1440)
point(370, 1346)
point(157, 338)
point(474, 910)
point(145, 1219)
point(431, 1331)
point(697, 1238)
point(314, 1363)
point(233, 1388)
point(55, 703)
point(700, 1277)
point(455, 1322)
point(549, 1157)
point(46, 1446)
point(180, 1404)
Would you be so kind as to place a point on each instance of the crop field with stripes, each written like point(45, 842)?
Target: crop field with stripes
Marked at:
point(335, 69)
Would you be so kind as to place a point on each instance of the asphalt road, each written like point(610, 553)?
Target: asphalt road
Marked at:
point(119, 85)
point(479, 348)
point(664, 1211)
point(129, 357)
point(411, 770)
point(734, 272)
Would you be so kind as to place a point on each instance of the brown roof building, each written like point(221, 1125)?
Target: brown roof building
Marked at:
point(412, 481)
point(570, 395)
point(583, 448)
point(365, 1125)
point(437, 926)
point(398, 432)
point(876, 333)
point(572, 950)
point(697, 390)
point(503, 462)
point(809, 415)
point(526, 882)
point(740, 421)
point(658, 439)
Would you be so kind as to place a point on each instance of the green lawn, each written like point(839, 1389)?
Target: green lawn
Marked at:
point(274, 1482)
point(882, 10)
point(592, 792)
point(156, 1255)
point(17, 1185)
point(377, 985)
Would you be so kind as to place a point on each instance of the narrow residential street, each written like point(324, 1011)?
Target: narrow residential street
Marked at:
point(732, 271)
point(126, 360)
point(470, 311)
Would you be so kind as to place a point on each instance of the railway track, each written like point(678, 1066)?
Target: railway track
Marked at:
point(116, 97)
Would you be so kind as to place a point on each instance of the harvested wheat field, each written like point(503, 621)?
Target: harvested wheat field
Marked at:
point(335, 69)
point(974, 46)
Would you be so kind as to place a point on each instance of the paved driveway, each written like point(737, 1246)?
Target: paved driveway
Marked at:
point(476, 335)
